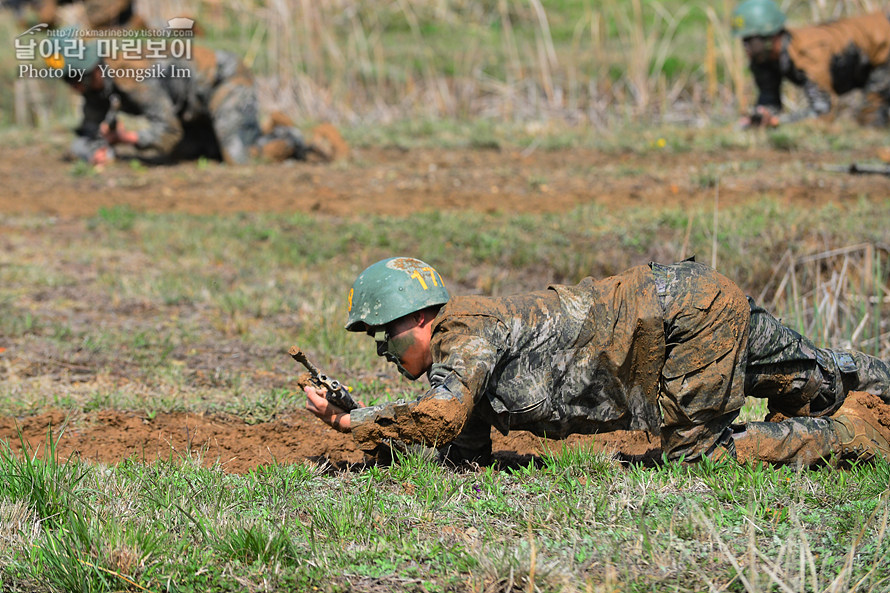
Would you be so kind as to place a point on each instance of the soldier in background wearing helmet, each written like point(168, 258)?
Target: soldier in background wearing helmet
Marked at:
point(835, 57)
point(670, 349)
point(204, 105)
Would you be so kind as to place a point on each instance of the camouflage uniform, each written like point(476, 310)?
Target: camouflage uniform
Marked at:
point(672, 350)
point(212, 112)
point(834, 58)
point(805, 384)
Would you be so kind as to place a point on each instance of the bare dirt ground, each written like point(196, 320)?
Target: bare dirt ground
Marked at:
point(113, 435)
point(396, 182)
point(389, 181)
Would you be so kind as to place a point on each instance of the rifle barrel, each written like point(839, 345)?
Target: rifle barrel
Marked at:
point(300, 357)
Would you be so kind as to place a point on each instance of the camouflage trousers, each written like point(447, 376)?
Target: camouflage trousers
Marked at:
point(799, 379)
point(722, 347)
point(233, 131)
point(798, 441)
point(804, 383)
point(701, 388)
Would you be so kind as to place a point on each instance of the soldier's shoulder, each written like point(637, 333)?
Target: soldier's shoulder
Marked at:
point(466, 305)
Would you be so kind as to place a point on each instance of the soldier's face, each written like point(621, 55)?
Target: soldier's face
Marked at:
point(759, 48)
point(405, 343)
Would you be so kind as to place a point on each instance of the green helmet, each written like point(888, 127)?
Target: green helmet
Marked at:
point(71, 51)
point(757, 18)
point(393, 288)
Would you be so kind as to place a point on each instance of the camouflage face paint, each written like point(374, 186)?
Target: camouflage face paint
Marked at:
point(392, 350)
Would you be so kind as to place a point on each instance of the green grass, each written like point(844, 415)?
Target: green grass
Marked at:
point(206, 327)
point(577, 521)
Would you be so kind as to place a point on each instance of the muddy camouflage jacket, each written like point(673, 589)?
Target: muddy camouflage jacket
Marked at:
point(570, 359)
point(835, 58)
point(167, 103)
point(670, 349)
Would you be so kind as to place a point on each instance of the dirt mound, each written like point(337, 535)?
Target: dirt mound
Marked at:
point(111, 436)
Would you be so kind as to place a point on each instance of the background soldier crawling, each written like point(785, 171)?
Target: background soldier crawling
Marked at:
point(206, 106)
point(671, 349)
point(835, 57)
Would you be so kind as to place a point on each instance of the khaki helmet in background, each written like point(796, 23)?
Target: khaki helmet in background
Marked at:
point(393, 288)
point(757, 18)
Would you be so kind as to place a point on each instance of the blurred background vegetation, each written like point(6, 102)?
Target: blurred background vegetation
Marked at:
point(585, 62)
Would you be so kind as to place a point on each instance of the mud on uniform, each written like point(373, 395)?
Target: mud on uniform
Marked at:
point(835, 58)
point(666, 349)
point(212, 111)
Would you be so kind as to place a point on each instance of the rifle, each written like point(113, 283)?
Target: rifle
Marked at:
point(859, 169)
point(337, 393)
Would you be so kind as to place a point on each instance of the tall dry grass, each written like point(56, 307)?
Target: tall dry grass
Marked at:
point(340, 60)
point(838, 297)
point(351, 60)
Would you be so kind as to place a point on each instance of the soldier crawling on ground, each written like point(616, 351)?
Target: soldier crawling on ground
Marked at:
point(669, 349)
point(202, 105)
point(835, 57)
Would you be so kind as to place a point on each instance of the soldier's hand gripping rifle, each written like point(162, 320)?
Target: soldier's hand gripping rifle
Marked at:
point(336, 392)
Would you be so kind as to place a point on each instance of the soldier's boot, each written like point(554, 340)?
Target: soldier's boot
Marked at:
point(282, 143)
point(862, 435)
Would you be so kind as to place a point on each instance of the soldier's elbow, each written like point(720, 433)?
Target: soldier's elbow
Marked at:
point(442, 419)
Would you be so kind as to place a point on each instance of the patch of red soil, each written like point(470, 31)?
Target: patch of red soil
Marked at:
point(111, 436)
